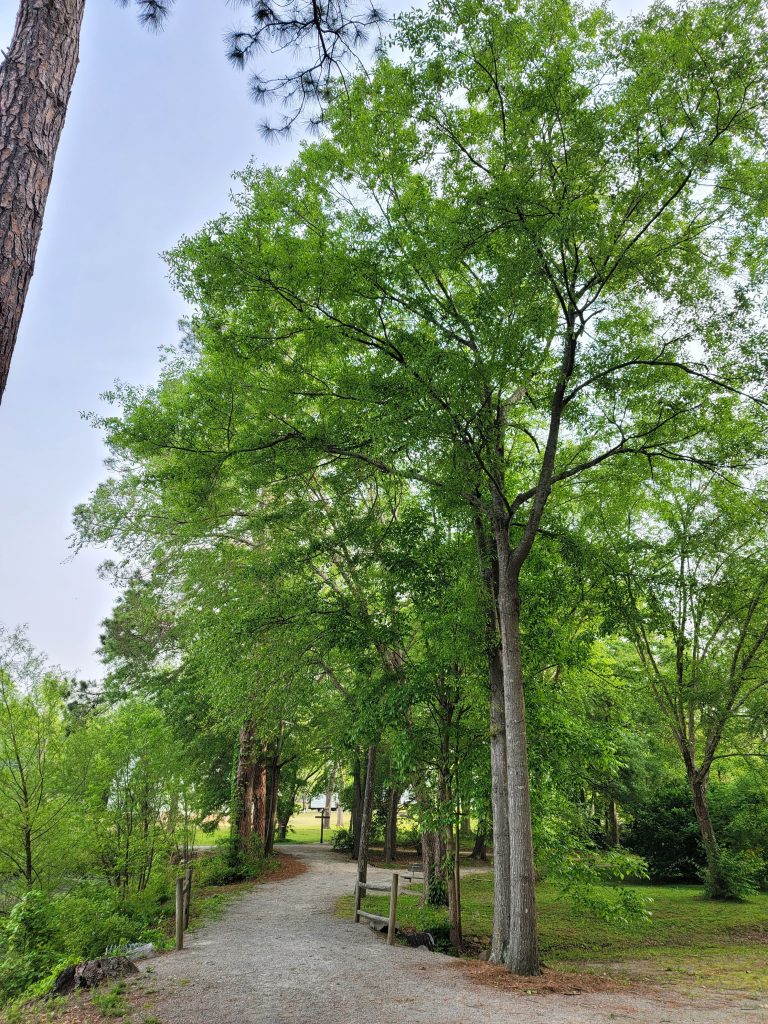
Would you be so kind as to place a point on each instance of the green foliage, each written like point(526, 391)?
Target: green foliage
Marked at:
point(734, 876)
point(112, 1003)
point(230, 864)
point(342, 840)
point(665, 833)
point(28, 945)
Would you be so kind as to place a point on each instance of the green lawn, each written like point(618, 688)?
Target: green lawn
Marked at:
point(688, 939)
point(305, 828)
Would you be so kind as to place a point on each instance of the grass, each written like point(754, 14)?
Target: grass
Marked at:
point(688, 940)
point(305, 828)
point(112, 1003)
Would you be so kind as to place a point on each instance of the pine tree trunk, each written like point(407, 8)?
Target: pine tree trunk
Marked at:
point(35, 85)
point(365, 815)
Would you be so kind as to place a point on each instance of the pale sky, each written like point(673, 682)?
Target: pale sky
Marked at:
point(156, 126)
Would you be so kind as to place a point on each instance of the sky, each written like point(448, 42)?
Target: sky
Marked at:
point(156, 126)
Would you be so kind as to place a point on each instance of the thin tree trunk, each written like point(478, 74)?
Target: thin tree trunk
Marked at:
point(699, 782)
point(427, 864)
point(339, 808)
point(35, 85)
point(390, 831)
point(365, 816)
point(613, 831)
point(29, 875)
point(452, 882)
point(479, 851)
point(272, 791)
point(357, 804)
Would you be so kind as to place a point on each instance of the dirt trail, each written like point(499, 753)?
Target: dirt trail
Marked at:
point(279, 956)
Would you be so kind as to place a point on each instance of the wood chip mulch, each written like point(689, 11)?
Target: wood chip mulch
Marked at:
point(548, 982)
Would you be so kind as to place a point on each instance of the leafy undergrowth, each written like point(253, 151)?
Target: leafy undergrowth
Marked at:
point(686, 941)
point(132, 1002)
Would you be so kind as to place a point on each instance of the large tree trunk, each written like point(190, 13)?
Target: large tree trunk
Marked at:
point(500, 808)
point(260, 803)
point(242, 797)
point(35, 84)
point(365, 815)
point(522, 955)
point(489, 569)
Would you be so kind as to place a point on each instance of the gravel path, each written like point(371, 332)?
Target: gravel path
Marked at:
point(279, 956)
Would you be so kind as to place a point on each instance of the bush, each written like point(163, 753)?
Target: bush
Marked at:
point(665, 833)
point(29, 944)
point(735, 877)
point(342, 840)
point(229, 865)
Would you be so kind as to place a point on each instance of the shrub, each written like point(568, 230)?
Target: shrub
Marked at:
point(229, 865)
point(342, 840)
point(735, 877)
point(29, 945)
point(664, 832)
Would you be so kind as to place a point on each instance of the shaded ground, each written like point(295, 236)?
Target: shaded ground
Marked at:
point(279, 956)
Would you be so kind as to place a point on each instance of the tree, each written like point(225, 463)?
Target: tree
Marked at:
point(688, 584)
point(506, 264)
point(36, 78)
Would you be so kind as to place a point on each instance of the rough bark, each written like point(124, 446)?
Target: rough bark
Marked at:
point(35, 85)
point(489, 569)
point(699, 784)
point(522, 955)
point(260, 803)
point(242, 797)
point(365, 815)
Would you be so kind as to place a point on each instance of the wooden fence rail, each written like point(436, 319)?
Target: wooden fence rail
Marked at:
point(378, 920)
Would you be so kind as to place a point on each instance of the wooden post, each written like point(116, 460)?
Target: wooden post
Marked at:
point(358, 898)
point(187, 895)
point(179, 913)
point(392, 928)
